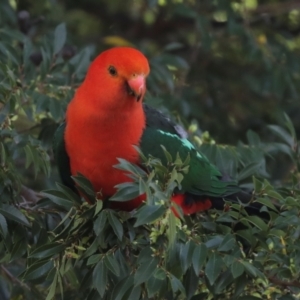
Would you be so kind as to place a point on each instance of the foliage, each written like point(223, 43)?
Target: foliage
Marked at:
point(55, 244)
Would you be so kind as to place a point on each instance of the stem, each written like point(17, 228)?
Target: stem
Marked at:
point(14, 279)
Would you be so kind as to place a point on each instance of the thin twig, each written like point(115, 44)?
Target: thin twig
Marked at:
point(30, 196)
point(283, 283)
point(14, 279)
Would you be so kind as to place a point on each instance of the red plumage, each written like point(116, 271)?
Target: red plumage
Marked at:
point(106, 118)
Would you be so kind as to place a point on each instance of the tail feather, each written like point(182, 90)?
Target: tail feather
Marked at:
point(189, 204)
point(192, 204)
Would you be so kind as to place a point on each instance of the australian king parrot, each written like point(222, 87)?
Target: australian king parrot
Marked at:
point(107, 117)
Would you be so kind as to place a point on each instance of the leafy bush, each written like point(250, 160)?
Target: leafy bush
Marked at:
point(53, 244)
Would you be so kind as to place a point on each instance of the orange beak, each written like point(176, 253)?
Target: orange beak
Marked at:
point(137, 86)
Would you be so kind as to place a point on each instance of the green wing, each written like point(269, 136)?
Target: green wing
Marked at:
point(61, 157)
point(203, 177)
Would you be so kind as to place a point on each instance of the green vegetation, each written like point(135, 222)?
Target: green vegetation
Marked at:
point(230, 68)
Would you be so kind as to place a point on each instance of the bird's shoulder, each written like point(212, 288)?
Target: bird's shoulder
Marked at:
point(157, 120)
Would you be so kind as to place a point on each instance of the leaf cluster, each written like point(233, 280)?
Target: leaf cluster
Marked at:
point(55, 245)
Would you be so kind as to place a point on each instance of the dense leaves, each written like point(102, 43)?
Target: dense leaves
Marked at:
point(232, 66)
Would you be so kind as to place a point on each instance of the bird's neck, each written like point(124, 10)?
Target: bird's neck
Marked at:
point(126, 119)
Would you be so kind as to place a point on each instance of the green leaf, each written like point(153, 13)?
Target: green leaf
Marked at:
point(160, 274)
point(135, 292)
point(126, 191)
point(172, 230)
point(3, 225)
point(290, 126)
point(154, 285)
point(100, 223)
point(283, 134)
point(59, 198)
point(185, 255)
point(27, 49)
point(13, 33)
point(274, 194)
point(99, 206)
point(55, 109)
point(267, 202)
point(257, 184)
point(18, 249)
point(240, 284)
point(167, 154)
point(213, 267)
point(81, 61)
point(145, 270)
point(112, 264)
point(52, 288)
point(237, 269)
point(173, 46)
point(85, 184)
point(253, 138)
point(228, 243)
point(190, 282)
point(176, 285)
point(3, 153)
point(71, 195)
point(61, 289)
point(148, 213)
point(93, 259)
point(131, 168)
point(248, 171)
point(60, 35)
point(144, 255)
point(250, 268)
point(12, 213)
point(199, 257)
point(224, 280)
point(91, 249)
point(47, 250)
point(258, 222)
point(247, 235)
point(214, 242)
point(142, 186)
point(211, 226)
point(100, 277)
point(38, 269)
point(115, 224)
point(65, 225)
point(122, 287)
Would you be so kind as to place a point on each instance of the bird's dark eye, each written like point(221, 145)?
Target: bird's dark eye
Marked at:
point(112, 70)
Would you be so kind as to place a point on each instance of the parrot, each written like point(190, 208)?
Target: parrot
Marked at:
point(107, 117)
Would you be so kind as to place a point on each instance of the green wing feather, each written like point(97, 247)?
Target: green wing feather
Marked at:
point(203, 178)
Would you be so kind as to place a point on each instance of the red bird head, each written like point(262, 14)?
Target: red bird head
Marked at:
point(116, 78)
